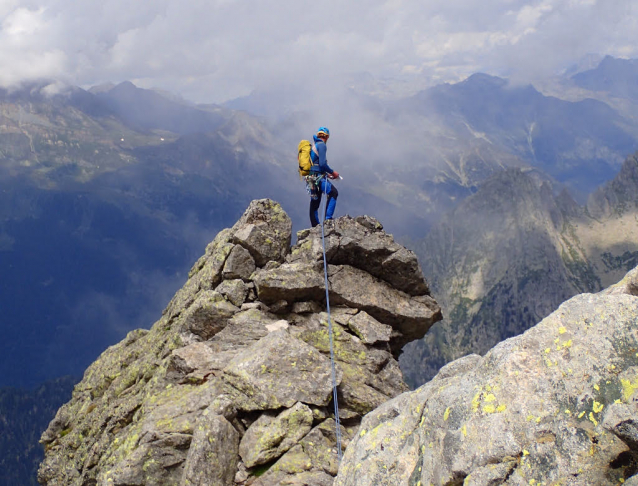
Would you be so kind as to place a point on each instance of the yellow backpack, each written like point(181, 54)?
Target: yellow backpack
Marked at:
point(303, 157)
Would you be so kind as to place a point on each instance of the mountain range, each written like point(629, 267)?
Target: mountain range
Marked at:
point(510, 254)
point(107, 194)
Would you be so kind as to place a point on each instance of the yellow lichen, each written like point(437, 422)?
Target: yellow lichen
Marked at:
point(476, 401)
point(597, 407)
point(592, 419)
point(629, 388)
point(446, 414)
point(562, 330)
point(489, 408)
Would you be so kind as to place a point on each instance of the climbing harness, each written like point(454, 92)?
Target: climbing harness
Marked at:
point(312, 184)
point(332, 354)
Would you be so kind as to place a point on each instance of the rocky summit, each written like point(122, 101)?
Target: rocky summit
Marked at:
point(233, 384)
point(557, 405)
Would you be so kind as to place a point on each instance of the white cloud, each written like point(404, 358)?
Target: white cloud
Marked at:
point(212, 50)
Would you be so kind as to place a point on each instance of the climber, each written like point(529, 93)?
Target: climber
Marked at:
point(318, 181)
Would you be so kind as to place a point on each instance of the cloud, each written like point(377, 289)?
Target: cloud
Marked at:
point(220, 49)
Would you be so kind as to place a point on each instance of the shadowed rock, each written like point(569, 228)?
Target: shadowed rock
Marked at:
point(239, 264)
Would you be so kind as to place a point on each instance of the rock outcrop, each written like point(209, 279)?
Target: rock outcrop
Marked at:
point(555, 405)
point(233, 384)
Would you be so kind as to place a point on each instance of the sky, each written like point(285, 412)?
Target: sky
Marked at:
point(216, 50)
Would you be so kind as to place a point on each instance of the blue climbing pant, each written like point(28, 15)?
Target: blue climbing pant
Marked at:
point(324, 186)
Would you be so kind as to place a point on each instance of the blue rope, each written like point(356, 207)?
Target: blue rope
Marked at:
point(332, 353)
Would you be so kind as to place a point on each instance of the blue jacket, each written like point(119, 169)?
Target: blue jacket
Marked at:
point(319, 162)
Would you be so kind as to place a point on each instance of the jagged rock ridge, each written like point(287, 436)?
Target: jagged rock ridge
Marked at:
point(555, 405)
point(232, 385)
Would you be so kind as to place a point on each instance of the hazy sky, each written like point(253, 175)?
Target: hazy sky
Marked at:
point(213, 50)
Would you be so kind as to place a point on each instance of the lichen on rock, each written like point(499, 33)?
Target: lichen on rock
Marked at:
point(232, 385)
point(555, 405)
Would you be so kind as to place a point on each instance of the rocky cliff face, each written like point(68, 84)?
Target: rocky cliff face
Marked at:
point(512, 253)
point(232, 385)
point(555, 405)
point(499, 263)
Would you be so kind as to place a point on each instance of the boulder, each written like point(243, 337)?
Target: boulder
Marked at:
point(368, 329)
point(208, 314)
point(212, 455)
point(361, 243)
point(234, 290)
point(290, 282)
point(239, 264)
point(280, 370)
point(272, 435)
point(536, 409)
point(243, 329)
point(312, 461)
point(411, 316)
point(265, 231)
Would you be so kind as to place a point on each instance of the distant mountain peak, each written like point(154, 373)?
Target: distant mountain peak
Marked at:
point(616, 76)
point(483, 79)
point(126, 86)
point(101, 88)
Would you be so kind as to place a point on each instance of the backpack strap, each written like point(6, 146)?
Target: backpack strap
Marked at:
point(314, 149)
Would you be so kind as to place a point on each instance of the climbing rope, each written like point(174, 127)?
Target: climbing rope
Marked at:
point(332, 353)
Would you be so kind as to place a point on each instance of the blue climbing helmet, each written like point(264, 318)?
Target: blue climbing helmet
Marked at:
point(323, 131)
